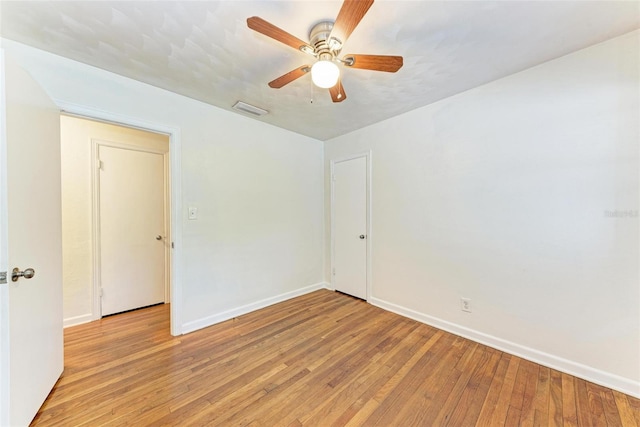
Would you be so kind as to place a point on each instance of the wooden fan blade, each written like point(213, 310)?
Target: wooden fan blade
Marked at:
point(387, 63)
point(350, 15)
point(337, 92)
point(270, 30)
point(289, 77)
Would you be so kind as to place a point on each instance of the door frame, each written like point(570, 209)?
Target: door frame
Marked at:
point(96, 143)
point(174, 181)
point(367, 155)
point(4, 262)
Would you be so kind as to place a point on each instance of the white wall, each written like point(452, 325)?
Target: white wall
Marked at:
point(76, 135)
point(258, 189)
point(503, 194)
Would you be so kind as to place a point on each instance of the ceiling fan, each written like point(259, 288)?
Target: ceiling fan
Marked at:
point(325, 43)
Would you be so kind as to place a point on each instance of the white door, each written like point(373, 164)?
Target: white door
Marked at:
point(350, 226)
point(31, 341)
point(132, 228)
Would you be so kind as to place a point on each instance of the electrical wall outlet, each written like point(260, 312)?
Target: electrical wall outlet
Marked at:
point(465, 304)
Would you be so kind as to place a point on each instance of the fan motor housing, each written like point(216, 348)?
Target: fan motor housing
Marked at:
point(319, 39)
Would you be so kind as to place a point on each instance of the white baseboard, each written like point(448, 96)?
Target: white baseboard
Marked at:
point(579, 370)
point(239, 311)
point(77, 320)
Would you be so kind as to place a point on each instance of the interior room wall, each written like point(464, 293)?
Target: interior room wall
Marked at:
point(76, 135)
point(258, 189)
point(521, 195)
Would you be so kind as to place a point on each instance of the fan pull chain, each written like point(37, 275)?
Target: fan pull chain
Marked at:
point(311, 83)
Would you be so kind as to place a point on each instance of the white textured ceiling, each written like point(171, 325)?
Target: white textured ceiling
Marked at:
point(204, 50)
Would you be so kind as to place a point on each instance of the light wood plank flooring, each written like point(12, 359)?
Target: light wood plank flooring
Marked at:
point(323, 359)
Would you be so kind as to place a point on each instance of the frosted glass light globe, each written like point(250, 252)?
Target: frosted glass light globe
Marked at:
point(325, 74)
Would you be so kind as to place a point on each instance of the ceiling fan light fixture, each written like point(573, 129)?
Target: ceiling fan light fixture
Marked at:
point(325, 73)
point(326, 39)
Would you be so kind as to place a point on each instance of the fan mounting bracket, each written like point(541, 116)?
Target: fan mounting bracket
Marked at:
point(308, 50)
point(348, 60)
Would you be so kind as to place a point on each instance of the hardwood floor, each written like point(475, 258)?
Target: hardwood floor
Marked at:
point(322, 359)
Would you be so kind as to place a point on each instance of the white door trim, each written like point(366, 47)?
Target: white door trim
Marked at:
point(367, 155)
point(175, 184)
point(4, 262)
point(96, 143)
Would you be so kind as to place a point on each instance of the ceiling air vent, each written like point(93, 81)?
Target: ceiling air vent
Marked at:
point(250, 109)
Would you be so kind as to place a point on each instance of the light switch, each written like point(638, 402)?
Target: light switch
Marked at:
point(193, 212)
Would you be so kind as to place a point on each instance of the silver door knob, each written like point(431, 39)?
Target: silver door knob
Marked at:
point(158, 237)
point(362, 236)
point(27, 274)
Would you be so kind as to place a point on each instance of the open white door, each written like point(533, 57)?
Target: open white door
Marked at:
point(31, 335)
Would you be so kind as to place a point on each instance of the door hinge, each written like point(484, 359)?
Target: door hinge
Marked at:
point(172, 245)
point(3, 277)
point(333, 177)
point(101, 292)
point(100, 164)
point(333, 271)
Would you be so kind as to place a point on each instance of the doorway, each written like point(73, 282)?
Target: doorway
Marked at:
point(108, 267)
point(350, 225)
